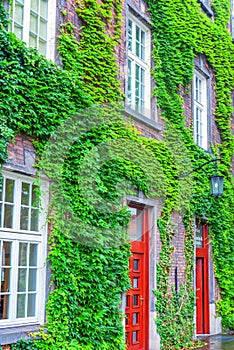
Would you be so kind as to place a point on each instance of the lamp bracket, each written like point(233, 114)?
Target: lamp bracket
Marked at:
point(201, 166)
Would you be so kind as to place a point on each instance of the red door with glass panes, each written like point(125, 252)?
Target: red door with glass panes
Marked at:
point(202, 280)
point(137, 298)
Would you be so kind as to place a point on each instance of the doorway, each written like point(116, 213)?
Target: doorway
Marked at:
point(202, 280)
point(137, 298)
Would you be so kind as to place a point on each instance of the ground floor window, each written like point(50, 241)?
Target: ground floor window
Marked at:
point(22, 251)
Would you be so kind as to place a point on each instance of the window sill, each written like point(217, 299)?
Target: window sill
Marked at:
point(11, 335)
point(206, 8)
point(129, 112)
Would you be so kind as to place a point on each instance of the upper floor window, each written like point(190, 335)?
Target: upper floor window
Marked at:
point(22, 252)
point(33, 21)
point(200, 124)
point(139, 79)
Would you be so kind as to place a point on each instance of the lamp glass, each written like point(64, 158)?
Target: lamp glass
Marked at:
point(216, 185)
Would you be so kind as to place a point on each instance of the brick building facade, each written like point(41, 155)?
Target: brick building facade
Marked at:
point(134, 59)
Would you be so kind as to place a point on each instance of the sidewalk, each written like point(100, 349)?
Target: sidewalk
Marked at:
point(218, 342)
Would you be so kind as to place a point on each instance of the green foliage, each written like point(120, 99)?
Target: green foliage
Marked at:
point(94, 52)
point(24, 345)
point(36, 96)
point(183, 31)
point(33, 88)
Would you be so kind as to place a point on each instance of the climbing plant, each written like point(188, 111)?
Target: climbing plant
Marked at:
point(36, 97)
point(182, 31)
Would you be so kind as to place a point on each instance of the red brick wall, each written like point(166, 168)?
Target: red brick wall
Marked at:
point(21, 155)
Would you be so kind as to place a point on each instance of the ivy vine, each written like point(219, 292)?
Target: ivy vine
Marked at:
point(182, 31)
point(37, 96)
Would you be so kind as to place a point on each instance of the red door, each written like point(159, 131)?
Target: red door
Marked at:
point(137, 298)
point(202, 281)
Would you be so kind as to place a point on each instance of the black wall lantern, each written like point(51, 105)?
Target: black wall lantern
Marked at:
point(216, 185)
point(216, 181)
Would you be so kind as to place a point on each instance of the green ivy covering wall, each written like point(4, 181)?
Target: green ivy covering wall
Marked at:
point(182, 31)
point(36, 97)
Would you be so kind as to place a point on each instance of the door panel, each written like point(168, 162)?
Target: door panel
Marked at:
point(137, 298)
point(202, 281)
point(200, 295)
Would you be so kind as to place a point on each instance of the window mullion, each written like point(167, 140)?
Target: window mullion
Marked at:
point(18, 184)
point(26, 26)
point(30, 207)
point(14, 280)
point(27, 281)
point(3, 200)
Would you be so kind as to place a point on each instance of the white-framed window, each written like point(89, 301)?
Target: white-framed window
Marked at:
point(138, 67)
point(33, 21)
point(22, 251)
point(200, 124)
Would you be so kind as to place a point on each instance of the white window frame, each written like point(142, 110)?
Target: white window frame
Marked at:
point(200, 117)
point(16, 236)
point(51, 23)
point(144, 65)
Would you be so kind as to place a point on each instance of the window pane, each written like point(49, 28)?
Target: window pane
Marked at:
point(1, 189)
point(31, 305)
point(138, 48)
point(5, 279)
point(23, 254)
point(130, 35)
point(142, 45)
point(22, 273)
point(24, 218)
point(138, 42)
point(135, 282)
point(32, 280)
point(35, 196)
point(25, 193)
point(135, 300)
point(33, 255)
point(34, 5)
point(136, 225)
point(33, 23)
point(9, 195)
point(6, 254)
point(135, 336)
point(4, 307)
point(34, 219)
point(142, 76)
point(196, 88)
point(18, 30)
point(43, 8)
point(21, 305)
point(19, 13)
point(42, 47)
point(135, 319)
point(8, 217)
point(136, 264)
point(32, 40)
point(129, 82)
point(43, 29)
point(137, 72)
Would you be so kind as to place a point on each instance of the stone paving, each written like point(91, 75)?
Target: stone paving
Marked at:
point(219, 342)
